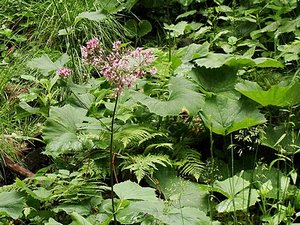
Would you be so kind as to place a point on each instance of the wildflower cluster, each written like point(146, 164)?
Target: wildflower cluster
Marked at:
point(64, 72)
point(121, 66)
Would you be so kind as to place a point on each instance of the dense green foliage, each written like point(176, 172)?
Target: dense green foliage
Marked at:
point(212, 138)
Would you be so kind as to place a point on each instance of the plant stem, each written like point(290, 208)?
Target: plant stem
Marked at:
point(66, 29)
point(211, 141)
point(232, 183)
point(111, 158)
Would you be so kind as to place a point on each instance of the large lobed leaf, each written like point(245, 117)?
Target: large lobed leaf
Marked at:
point(224, 114)
point(11, 204)
point(276, 95)
point(182, 95)
point(216, 60)
point(236, 189)
point(216, 79)
point(132, 191)
point(45, 64)
point(62, 126)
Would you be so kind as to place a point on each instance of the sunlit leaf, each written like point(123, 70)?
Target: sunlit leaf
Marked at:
point(45, 64)
point(182, 95)
point(215, 80)
point(224, 114)
point(133, 191)
point(237, 192)
point(280, 139)
point(276, 95)
point(78, 219)
point(180, 192)
point(216, 60)
point(11, 204)
point(51, 221)
point(60, 132)
point(95, 16)
point(178, 29)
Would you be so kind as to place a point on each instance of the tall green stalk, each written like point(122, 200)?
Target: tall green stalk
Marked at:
point(72, 42)
point(111, 158)
point(231, 183)
point(211, 141)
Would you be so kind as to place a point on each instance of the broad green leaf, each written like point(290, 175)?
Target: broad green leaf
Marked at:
point(78, 219)
point(95, 16)
point(182, 95)
point(215, 80)
point(276, 95)
point(144, 27)
point(140, 28)
point(224, 114)
point(186, 14)
point(240, 201)
point(51, 221)
point(186, 216)
point(11, 204)
point(193, 51)
point(216, 60)
point(61, 61)
point(45, 64)
point(178, 29)
point(83, 208)
point(132, 191)
point(42, 193)
point(269, 28)
point(185, 2)
point(180, 192)
point(132, 27)
point(170, 215)
point(231, 186)
point(237, 192)
point(270, 182)
point(267, 62)
point(60, 133)
point(280, 139)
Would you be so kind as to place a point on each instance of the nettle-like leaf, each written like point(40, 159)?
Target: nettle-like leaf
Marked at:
point(182, 95)
point(45, 64)
point(224, 114)
point(11, 204)
point(216, 60)
point(277, 95)
point(236, 189)
point(62, 126)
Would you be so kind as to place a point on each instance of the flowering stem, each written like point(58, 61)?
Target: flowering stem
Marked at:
point(111, 159)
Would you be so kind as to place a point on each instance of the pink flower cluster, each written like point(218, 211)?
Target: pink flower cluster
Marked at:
point(64, 72)
point(121, 66)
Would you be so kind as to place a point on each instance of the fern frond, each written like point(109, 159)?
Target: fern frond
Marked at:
point(142, 165)
point(132, 135)
point(190, 163)
point(159, 145)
